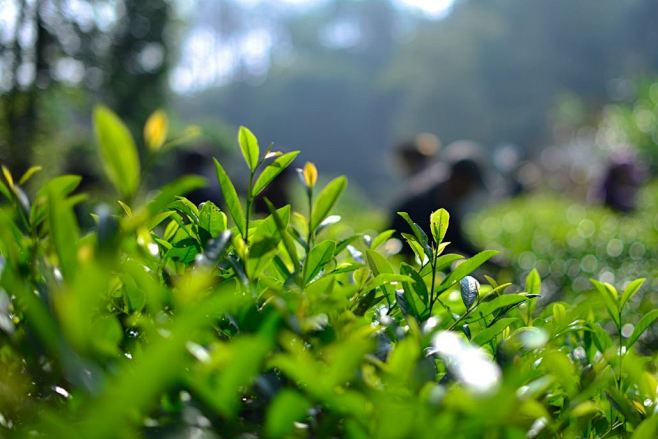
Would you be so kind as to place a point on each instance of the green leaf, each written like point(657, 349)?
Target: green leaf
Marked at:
point(386, 278)
point(249, 147)
point(381, 238)
point(630, 290)
point(418, 233)
point(64, 233)
point(378, 265)
point(465, 268)
point(489, 333)
point(118, 151)
point(271, 171)
point(231, 196)
point(317, 258)
point(282, 226)
point(647, 429)
point(212, 219)
point(28, 174)
point(439, 224)
point(326, 200)
point(533, 282)
point(287, 408)
point(642, 326)
point(486, 308)
point(418, 284)
point(609, 296)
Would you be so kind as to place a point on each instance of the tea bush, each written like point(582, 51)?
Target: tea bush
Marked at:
point(569, 242)
point(173, 319)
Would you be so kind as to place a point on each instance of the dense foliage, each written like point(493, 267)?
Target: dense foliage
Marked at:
point(174, 318)
point(570, 242)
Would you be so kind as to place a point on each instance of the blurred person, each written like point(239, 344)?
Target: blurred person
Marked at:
point(621, 183)
point(417, 154)
point(452, 191)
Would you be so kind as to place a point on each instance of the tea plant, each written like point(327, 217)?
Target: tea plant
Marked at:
point(174, 319)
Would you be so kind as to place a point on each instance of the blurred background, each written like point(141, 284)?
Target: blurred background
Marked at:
point(556, 101)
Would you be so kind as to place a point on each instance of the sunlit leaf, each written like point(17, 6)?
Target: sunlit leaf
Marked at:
point(271, 171)
point(326, 200)
point(231, 197)
point(249, 147)
point(117, 150)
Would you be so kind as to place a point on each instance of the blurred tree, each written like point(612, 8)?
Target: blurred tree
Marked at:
point(115, 50)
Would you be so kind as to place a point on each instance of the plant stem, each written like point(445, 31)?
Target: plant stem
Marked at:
point(621, 356)
point(309, 238)
point(248, 211)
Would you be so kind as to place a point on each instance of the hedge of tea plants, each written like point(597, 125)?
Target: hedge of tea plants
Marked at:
point(171, 319)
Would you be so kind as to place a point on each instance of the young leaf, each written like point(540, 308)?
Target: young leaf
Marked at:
point(489, 333)
point(504, 301)
point(231, 196)
point(642, 326)
point(28, 174)
point(271, 171)
point(381, 238)
point(249, 147)
point(326, 200)
point(117, 150)
point(466, 267)
point(609, 296)
point(533, 282)
point(439, 224)
point(317, 258)
point(285, 236)
point(630, 290)
point(418, 232)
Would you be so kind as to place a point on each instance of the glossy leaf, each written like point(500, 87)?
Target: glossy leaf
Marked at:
point(631, 289)
point(249, 147)
point(647, 320)
point(489, 333)
point(470, 289)
point(231, 197)
point(326, 200)
point(317, 258)
point(271, 171)
point(439, 221)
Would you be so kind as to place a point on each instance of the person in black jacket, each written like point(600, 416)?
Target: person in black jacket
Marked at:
point(465, 177)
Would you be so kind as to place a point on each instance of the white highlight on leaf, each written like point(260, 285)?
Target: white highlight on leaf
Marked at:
point(468, 363)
